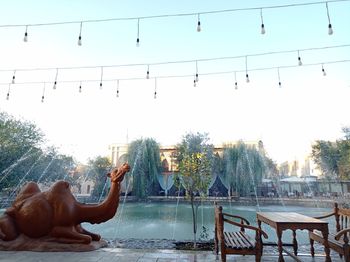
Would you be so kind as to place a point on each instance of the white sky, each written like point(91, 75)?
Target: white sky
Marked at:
point(309, 106)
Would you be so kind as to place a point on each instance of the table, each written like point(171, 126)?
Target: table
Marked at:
point(281, 221)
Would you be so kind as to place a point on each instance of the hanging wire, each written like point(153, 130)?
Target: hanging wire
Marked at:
point(13, 77)
point(299, 59)
point(246, 70)
point(138, 33)
point(79, 38)
point(155, 88)
point(55, 83)
point(236, 84)
point(25, 38)
point(43, 95)
point(8, 92)
point(199, 28)
point(263, 31)
point(330, 29)
point(147, 75)
point(279, 78)
point(101, 77)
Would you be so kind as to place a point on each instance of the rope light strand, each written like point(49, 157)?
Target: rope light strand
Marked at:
point(246, 70)
point(25, 38)
point(117, 88)
point(8, 92)
point(155, 88)
point(55, 83)
point(299, 59)
point(13, 77)
point(279, 78)
point(147, 74)
point(199, 28)
point(323, 71)
point(101, 77)
point(236, 85)
point(138, 33)
point(80, 87)
point(79, 38)
point(43, 95)
point(263, 31)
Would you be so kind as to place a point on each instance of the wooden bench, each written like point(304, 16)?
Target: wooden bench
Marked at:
point(338, 238)
point(236, 241)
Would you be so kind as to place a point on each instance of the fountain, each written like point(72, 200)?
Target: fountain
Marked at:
point(43, 220)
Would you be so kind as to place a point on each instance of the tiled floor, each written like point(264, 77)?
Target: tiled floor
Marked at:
point(142, 255)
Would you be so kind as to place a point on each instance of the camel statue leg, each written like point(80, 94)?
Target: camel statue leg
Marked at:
point(69, 235)
point(8, 229)
point(81, 230)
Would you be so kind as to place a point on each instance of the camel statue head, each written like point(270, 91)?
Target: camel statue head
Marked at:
point(117, 174)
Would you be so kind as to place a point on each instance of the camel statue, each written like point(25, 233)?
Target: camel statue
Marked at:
point(57, 214)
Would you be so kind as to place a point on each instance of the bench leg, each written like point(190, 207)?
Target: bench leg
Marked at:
point(258, 257)
point(223, 256)
point(312, 249)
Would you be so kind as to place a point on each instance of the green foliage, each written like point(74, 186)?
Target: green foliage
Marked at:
point(100, 166)
point(333, 158)
point(144, 158)
point(195, 158)
point(244, 167)
point(22, 159)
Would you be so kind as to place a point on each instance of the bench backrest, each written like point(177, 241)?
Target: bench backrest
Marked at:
point(342, 217)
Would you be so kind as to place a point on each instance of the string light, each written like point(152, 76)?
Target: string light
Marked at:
point(236, 85)
point(197, 72)
point(80, 87)
point(263, 31)
point(299, 59)
point(246, 70)
point(279, 78)
point(138, 33)
point(79, 38)
point(199, 28)
point(118, 88)
point(13, 77)
point(323, 71)
point(101, 77)
point(330, 29)
point(43, 95)
point(8, 92)
point(194, 82)
point(147, 75)
point(155, 88)
point(25, 38)
point(55, 83)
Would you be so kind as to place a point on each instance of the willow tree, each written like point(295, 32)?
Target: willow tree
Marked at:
point(194, 156)
point(243, 168)
point(144, 159)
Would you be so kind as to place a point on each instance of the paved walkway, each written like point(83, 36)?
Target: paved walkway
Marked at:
point(142, 255)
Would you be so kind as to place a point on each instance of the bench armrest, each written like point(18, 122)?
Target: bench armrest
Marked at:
point(238, 217)
point(325, 215)
point(258, 230)
point(342, 232)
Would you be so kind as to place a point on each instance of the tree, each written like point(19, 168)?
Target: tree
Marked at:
point(100, 166)
point(244, 167)
point(194, 157)
point(144, 158)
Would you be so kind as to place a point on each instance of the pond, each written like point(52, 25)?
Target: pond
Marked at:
point(169, 221)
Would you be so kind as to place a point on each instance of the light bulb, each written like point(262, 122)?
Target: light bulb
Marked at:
point(79, 41)
point(137, 42)
point(236, 85)
point(263, 31)
point(100, 85)
point(197, 77)
point(155, 94)
point(330, 29)
point(80, 89)
point(42, 99)
point(247, 78)
point(199, 26)
point(8, 96)
point(25, 39)
point(194, 83)
point(117, 93)
point(13, 79)
point(54, 85)
point(299, 61)
point(323, 72)
point(147, 75)
point(279, 84)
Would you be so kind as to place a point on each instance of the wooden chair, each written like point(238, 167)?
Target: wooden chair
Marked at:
point(236, 241)
point(338, 237)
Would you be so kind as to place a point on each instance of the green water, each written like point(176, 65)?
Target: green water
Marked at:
point(157, 221)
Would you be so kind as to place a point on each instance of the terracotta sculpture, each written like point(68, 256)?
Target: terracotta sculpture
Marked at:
point(57, 214)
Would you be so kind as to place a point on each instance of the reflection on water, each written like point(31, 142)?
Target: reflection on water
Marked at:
point(157, 221)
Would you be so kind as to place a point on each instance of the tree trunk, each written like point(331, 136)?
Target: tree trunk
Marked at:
point(194, 219)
